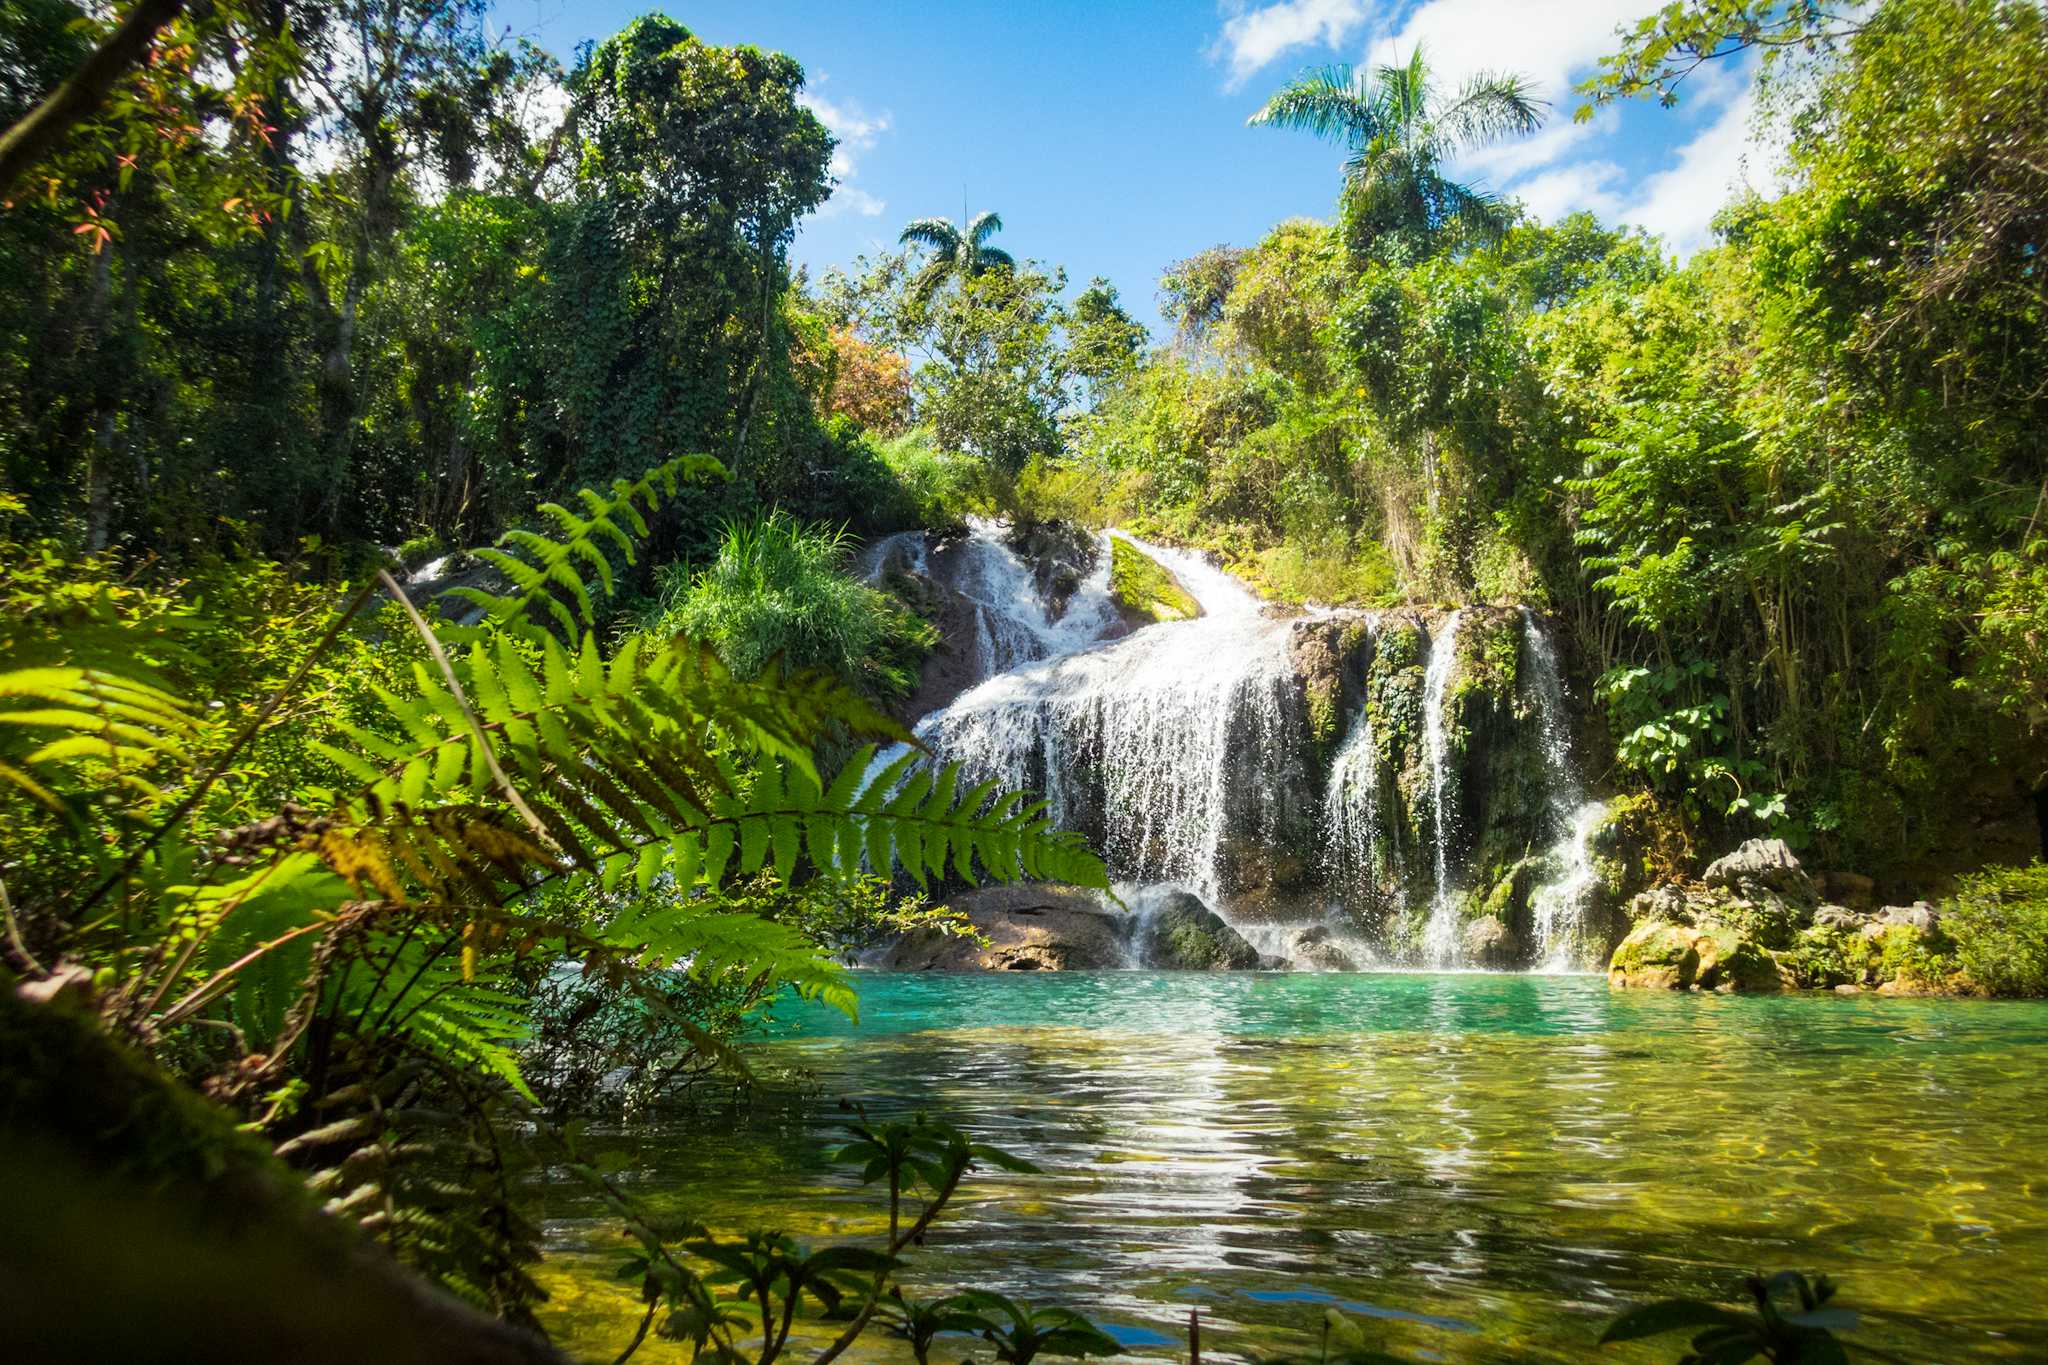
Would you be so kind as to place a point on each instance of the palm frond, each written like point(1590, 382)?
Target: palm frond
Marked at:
point(937, 233)
point(1488, 107)
point(994, 258)
point(983, 226)
point(1331, 101)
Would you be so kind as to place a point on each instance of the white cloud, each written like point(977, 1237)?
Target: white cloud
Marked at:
point(1564, 189)
point(1252, 38)
point(856, 131)
point(851, 199)
point(1552, 42)
point(1680, 202)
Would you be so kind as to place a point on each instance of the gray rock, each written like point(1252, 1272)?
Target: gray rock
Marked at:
point(1489, 942)
point(1919, 914)
point(1666, 904)
point(1181, 934)
point(1763, 868)
point(1313, 949)
point(1840, 917)
point(1040, 927)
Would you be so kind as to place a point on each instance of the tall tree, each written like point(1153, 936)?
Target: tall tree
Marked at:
point(957, 250)
point(1401, 128)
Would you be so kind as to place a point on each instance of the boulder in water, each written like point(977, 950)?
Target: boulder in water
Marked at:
point(1313, 949)
point(1182, 934)
point(1489, 942)
point(1657, 955)
point(1730, 962)
point(1038, 927)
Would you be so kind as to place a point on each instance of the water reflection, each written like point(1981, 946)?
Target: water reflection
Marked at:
point(1486, 1165)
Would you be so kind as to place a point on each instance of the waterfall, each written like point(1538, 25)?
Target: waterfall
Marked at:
point(1014, 625)
point(1558, 907)
point(1353, 825)
point(1167, 741)
point(1440, 943)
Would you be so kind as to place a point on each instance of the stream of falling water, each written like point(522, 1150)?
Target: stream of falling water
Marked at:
point(1149, 734)
point(1558, 906)
point(1440, 944)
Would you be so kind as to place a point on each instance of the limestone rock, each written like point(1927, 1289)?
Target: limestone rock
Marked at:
point(1656, 955)
point(1729, 962)
point(1761, 868)
point(1029, 928)
point(1489, 942)
point(1182, 934)
point(1920, 915)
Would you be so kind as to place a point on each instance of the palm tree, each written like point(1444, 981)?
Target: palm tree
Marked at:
point(955, 250)
point(1400, 129)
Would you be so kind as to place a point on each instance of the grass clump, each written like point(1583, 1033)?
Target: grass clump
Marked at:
point(778, 589)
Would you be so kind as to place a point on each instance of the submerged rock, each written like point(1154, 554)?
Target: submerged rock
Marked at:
point(1182, 934)
point(1028, 928)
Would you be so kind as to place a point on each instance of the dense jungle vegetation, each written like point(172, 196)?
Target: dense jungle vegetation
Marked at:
point(296, 298)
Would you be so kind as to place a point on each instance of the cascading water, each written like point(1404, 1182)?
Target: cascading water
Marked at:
point(1162, 740)
point(1353, 824)
point(1184, 749)
point(1440, 945)
point(1558, 907)
point(1013, 623)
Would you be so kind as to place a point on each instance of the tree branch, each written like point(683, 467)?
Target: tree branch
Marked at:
point(36, 134)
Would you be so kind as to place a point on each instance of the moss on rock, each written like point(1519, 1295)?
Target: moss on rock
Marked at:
point(1145, 588)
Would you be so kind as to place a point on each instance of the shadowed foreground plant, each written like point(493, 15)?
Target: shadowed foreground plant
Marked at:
point(1792, 1324)
point(767, 1279)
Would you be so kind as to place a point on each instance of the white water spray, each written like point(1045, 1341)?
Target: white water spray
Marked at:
point(1440, 935)
point(1558, 907)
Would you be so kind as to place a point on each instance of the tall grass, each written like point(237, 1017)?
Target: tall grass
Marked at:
point(779, 588)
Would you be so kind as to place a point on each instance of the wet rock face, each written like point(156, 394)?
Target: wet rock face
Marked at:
point(1184, 935)
point(1331, 655)
point(1489, 942)
point(1061, 556)
point(1028, 928)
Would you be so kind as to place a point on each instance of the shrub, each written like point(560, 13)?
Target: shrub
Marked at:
point(777, 589)
point(1998, 919)
point(938, 489)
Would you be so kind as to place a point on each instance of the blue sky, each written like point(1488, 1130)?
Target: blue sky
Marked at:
point(1111, 137)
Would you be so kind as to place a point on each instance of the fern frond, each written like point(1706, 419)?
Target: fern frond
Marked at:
point(547, 567)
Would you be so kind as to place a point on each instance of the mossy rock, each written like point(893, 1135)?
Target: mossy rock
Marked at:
point(1146, 589)
point(1185, 935)
point(1656, 956)
point(1729, 962)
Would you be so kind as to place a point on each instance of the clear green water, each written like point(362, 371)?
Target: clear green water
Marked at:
point(1487, 1165)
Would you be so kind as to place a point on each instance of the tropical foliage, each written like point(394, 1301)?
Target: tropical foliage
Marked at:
point(1399, 130)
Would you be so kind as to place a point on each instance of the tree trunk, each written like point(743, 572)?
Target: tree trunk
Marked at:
point(144, 1226)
